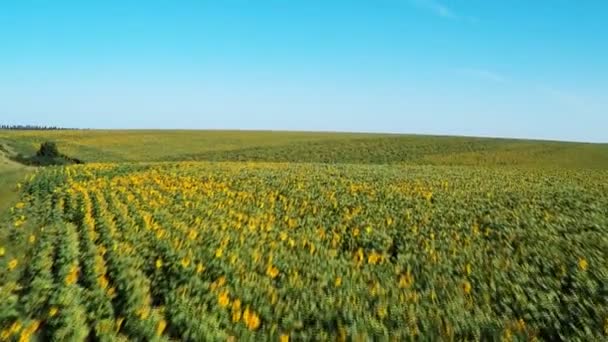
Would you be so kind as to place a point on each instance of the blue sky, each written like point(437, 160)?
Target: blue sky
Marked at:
point(517, 68)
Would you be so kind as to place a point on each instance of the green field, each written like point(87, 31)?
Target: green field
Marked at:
point(305, 147)
point(279, 236)
point(10, 174)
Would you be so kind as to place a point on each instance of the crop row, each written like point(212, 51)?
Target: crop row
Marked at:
point(213, 251)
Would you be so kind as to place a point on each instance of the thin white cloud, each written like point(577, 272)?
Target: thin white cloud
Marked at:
point(435, 7)
point(439, 9)
point(482, 74)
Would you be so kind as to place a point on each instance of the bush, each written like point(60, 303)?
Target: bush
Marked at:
point(47, 155)
point(48, 150)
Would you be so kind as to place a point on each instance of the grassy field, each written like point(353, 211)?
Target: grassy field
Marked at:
point(119, 146)
point(10, 174)
point(298, 236)
point(303, 147)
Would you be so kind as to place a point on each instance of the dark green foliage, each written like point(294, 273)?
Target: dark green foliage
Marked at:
point(47, 155)
point(48, 150)
point(31, 128)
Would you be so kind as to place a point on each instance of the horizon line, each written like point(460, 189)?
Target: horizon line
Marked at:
point(429, 134)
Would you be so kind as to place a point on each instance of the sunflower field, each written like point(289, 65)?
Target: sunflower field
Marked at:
point(230, 251)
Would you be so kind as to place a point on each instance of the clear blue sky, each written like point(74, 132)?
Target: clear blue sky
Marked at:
point(517, 68)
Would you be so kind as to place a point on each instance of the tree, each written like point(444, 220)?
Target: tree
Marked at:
point(48, 150)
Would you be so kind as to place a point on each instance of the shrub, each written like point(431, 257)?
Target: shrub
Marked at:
point(48, 150)
point(47, 155)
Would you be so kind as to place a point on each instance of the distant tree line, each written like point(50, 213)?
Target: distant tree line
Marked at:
point(32, 128)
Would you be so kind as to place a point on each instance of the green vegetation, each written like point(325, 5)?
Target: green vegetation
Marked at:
point(10, 174)
point(47, 155)
point(146, 146)
point(209, 235)
point(299, 147)
point(9, 177)
point(204, 251)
